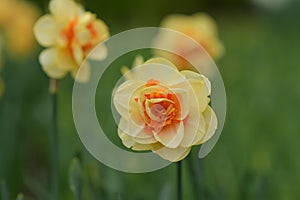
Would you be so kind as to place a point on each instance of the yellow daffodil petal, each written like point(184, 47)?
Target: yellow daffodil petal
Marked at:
point(183, 97)
point(171, 135)
point(171, 154)
point(83, 74)
point(211, 124)
point(48, 60)
point(194, 128)
point(101, 30)
point(98, 53)
point(64, 9)
point(45, 30)
point(121, 97)
point(162, 61)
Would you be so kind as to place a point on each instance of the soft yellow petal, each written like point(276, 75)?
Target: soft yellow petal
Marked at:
point(170, 154)
point(77, 53)
point(136, 131)
point(184, 100)
point(194, 128)
point(166, 74)
point(98, 53)
point(211, 124)
point(171, 135)
point(48, 60)
point(123, 97)
point(129, 142)
point(45, 30)
point(101, 29)
point(162, 61)
point(65, 9)
point(200, 93)
point(65, 60)
point(83, 74)
point(190, 75)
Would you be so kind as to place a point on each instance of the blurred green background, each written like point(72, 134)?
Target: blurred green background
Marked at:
point(256, 155)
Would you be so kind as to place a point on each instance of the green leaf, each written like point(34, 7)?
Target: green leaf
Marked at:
point(75, 179)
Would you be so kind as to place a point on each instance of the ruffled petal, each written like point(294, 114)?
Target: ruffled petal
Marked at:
point(45, 30)
point(171, 135)
point(184, 99)
point(170, 154)
point(167, 75)
point(98, 53)
point(211, 124)
point(122, 97)
point(65, 9)
point(83, 73)
point(129, 142)
point(48, 60)
point(194, 128)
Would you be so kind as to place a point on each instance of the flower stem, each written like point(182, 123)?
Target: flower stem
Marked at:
point(54, 140)
point(179, 181)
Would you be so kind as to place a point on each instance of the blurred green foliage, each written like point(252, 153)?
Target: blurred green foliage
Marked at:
point(256, 156)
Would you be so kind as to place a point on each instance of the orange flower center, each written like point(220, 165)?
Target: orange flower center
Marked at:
point(69, 34)
point(159, 107)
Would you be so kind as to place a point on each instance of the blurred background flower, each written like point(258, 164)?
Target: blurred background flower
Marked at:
point(17, 18)
point(200, 27)
point(69, 33)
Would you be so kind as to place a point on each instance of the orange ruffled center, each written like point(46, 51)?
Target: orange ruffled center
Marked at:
point(158, 106)
point(70, 35)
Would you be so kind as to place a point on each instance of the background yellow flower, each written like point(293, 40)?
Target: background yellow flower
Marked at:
point(166, 112)
point(200, 27)
point(69, 33)
point(17, 18)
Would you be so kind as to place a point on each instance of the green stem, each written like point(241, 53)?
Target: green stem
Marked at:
point(179, 181)
point(54, 140)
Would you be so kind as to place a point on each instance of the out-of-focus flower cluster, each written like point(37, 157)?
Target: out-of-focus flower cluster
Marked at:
point(17, 18)
point(69, 33)
point(164, 110)
point(200, 27)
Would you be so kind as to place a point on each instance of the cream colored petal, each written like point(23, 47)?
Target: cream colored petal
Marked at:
point(136, 131)
point(162, 61)
point(132, 128)
point(165, 74)
point(184, 100)
point(194, 128)
point(129, 142)
point(201, 93)
point(190, 75)
point(101, 30)
point(83, 74)
point(123, 97)
point(145, 138)
point(48, 60)
point(141, 147)
point(65, 60)
point(64, 9)
point(171, 135)
point(77, 53)
point(45, 30)
point(211, 124)
point(98, 53)
point(83, 35)
point(170, 154)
